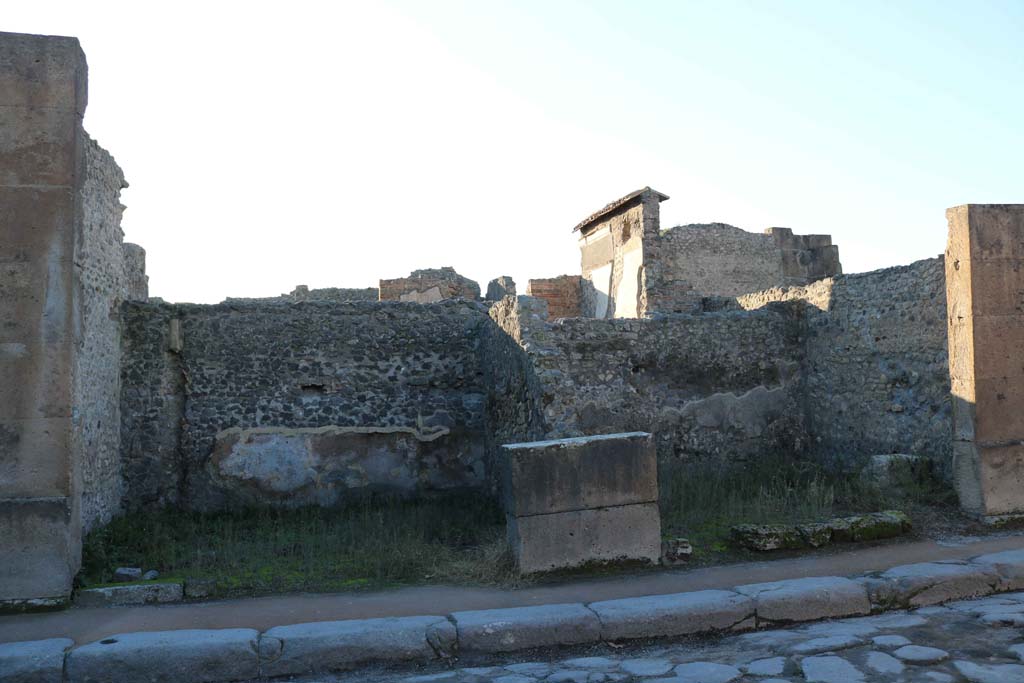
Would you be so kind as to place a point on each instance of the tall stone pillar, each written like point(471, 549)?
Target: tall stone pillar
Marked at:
point(42, 100)
point(985, 307)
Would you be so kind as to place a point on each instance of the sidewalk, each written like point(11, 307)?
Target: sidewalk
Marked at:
point(90, 624)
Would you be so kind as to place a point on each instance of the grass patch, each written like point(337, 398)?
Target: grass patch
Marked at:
point(702, 500)
point(373, 543)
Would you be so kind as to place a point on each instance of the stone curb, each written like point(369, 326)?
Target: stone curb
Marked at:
point(223, 655)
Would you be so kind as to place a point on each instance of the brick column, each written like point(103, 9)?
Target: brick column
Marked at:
point(985, 307)
point(42, 99)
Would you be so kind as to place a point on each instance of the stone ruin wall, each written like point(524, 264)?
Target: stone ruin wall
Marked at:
point(223, 403)
point(713, 385)
point(875, 370)
point(109, 272)
point(304, 293)
point(687, 262)
point(429, 286)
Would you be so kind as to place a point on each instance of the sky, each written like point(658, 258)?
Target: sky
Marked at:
point(332, 144)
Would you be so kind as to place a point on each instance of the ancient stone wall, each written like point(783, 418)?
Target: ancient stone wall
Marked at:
point(108, 272)
point(428, 286)
point(561, 293)
point(721, 260)
point(714, 385)
point(875, 369)
point(304, 293)
point(369, 395)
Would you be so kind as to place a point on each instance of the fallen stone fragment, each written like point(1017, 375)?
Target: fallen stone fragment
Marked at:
point(34, 661)
point(151, 575)
point(199, 588)
point(339, 645)
point(677, 614)
point(676, 551)
point(869, 527)
point(196, 656)
point(135, 594)
point(122, 574)
point(767, 537)
point(809, 599)
point(505, 630)
point(815, 535)
point(919, 654)
point(830, 669)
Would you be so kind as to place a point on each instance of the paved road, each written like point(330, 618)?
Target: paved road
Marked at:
point(85, 625)
point(977, 640)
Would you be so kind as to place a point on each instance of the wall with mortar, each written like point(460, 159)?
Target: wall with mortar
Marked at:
point(428, 286)
point(875, 369)
point(712, 385)
point(561, 293)
point(304, 293)
point(109, 272)
point(292, 404)
point(719, 259)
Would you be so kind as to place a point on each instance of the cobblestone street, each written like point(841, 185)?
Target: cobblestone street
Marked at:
point(977, 640)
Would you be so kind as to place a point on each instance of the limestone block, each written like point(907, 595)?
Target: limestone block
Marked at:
point(34, 661)
point(137, 594)
point(35, 148)
point(39, 543)
point(35, 457)
point(194, 655)
point(574, 474)
point(520, 628)
point(1001, 476)
point(827, 597)
point(570, 539)
point(658, 616)
point(42, 71)
point(338, 645)
point(930, 583)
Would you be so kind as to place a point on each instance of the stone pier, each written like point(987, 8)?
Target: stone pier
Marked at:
point(42, 100)
point(985, 306)
point(587, 499)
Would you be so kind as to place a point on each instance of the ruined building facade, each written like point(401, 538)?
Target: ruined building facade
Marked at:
point(724, 344)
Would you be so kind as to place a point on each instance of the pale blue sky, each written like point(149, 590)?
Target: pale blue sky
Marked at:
point(335, 143)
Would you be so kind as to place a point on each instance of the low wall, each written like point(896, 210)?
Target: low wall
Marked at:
point(876, 376)
point(296, 403)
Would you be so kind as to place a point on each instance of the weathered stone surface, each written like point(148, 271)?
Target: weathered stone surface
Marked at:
point(429, 285)
point(569, 539)
point(505, 630)
point(136, 594)
point(561, 293)
point(675, 551)
point(767, 536)
point(564, 475)
point(127, 574)
point(869, 527)
point(919, 654)
point(678, 614)
point(990, 673)
point(706, 672)
point(830, 669)
point(500, 287)
point(890, 470)
point(1010, 566)
point(197, 656)
point(807, 599)
point(930, 583)
point(34, 661)
point(37, 544)
point(835, 643)
point(338, 645)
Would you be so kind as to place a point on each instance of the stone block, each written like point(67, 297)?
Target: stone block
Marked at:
point(999, 357)
point(997, 287)
point(34, 661)
point(40, 543)
point(339, 645)
point(135, 594)
point(562, 475)
point(1001, 475)
point(930, 583)
point(43, 72)
point(520, 628)
point(997, 414)
point(828, 597)
point(35, 457)
point(570, 539)
point(1009, 564)
point(193, 655)
point(658, 616)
